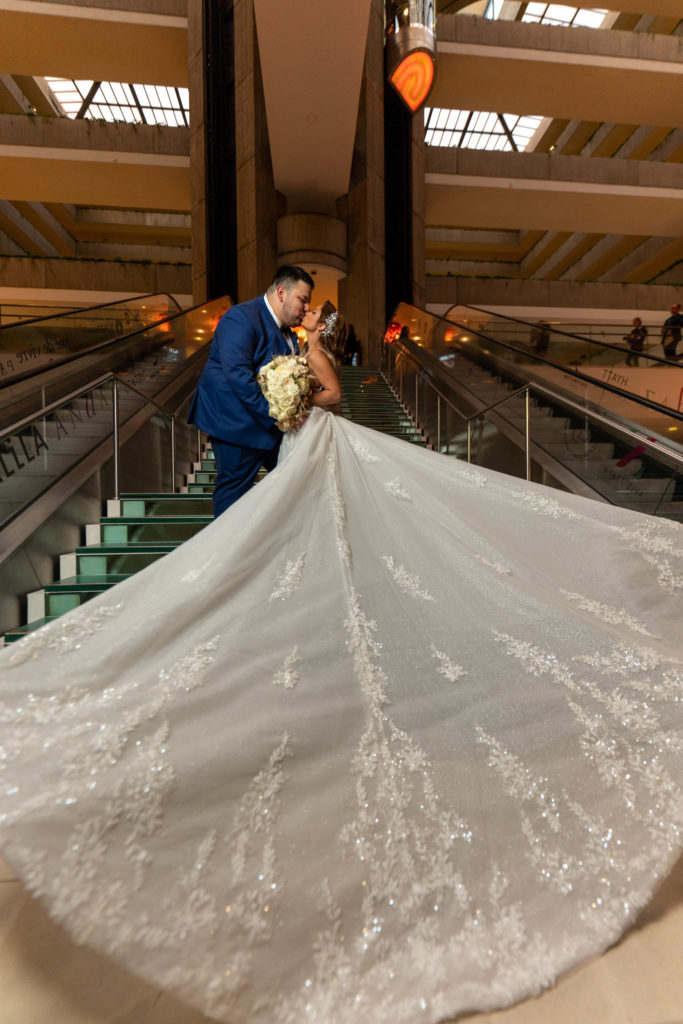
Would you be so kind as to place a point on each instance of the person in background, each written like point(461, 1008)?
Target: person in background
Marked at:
point(671, 331)
point(353, 355)
point(540, 338)
point(636, 341)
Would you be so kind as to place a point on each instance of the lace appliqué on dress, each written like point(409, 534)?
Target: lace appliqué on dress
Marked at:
point(408, 583)
point(659, 544)
point(248, 915)
point(447, 667)
point(614, 616)
point(545, 506)
point(394, 488)
point(289, 579)
point(196, 574)
point(498, 567)
point(288, 676)
point(363, 452)
point(338, 509)
point(63, 635)
point(475, 476)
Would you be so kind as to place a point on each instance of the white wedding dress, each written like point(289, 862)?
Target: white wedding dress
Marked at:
point(393, 739)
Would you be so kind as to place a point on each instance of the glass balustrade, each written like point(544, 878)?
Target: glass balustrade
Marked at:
point(623, 447)
point(148, 357)
point(41, 447)
point(46, 340)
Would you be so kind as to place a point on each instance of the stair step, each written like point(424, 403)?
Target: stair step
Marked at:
point(65, 595)
point(153, 505)
point(21, 631)
point(169, 529)
point(123, 559)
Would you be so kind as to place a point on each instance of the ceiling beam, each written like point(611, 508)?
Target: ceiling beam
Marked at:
point(491, 292)
point(93, 43)
point(95, 177)
point(552, 192)
point(620, 77)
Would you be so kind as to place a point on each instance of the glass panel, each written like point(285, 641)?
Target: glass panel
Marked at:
point(39, 451)
point(33, 457)
point(622, 447)
point(38, 343)
point(599, 353)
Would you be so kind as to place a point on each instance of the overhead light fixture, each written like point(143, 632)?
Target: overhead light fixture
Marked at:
point(410, 48)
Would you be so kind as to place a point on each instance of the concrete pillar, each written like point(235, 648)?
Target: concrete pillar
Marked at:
point(258, 203)
point(195, 55)
point(234, 203)
point(361, 292)
point(417, 168)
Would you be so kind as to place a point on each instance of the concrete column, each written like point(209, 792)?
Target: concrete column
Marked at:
point(234, 202)
point(258, 203)
point(195, 54)
point(417, 159)
point(361, 292)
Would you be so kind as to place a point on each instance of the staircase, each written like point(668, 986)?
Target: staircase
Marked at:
point(624, 476)
point(139, 528)
point(368, 400)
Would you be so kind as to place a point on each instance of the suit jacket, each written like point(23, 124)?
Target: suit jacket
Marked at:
point(228, 403)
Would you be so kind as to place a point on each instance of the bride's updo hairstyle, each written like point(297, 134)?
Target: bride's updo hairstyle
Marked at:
point(333, 334)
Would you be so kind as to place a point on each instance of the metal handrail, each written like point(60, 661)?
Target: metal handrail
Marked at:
point(57, 404)
point(86, 309)
point(567, 334)
point(115, 379)
point(20, 378)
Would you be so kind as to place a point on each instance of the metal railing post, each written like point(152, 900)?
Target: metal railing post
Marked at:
point(115, 413)
point(172, 454)
point(438, 422)
point(469, 440)
point(527, 437)
point(417, 394)
point(199, 445)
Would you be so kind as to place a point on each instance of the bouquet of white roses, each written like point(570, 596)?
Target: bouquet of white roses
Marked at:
point(286, 384)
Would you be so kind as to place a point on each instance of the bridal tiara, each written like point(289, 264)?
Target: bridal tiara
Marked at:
point(330, 324)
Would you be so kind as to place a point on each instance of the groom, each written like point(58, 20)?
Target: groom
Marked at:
point(228, 404)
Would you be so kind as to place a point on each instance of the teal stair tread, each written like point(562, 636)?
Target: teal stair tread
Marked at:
point(156, 496)
point(21, 631)
point(149, 520)
point(77, 584)
point(141, 547)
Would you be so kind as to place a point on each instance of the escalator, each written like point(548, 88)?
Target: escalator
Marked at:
point(56, 415)
point(43, 359)
point(602, 429)
point(107, 414)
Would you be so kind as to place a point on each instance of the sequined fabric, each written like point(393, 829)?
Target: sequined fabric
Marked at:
point(392, 740)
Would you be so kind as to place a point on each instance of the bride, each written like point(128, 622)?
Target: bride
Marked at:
point(393, 739)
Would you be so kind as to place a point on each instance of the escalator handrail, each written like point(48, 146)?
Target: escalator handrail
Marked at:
point(638, 399)
point(86, 309)
point(29, 374)
point(557, 330)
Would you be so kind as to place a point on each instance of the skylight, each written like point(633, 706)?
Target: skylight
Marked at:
point(545, 13)
point(116, 101)
point(473, 129)
point(563, 14)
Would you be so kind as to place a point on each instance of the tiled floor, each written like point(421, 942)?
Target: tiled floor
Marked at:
point(45, 979)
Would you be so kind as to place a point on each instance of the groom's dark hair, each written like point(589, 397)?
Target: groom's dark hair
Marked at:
point(288, 275)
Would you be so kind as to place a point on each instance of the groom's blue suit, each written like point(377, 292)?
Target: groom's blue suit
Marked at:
point(228, 404)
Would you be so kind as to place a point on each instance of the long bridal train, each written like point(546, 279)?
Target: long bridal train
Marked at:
point(393, 739)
